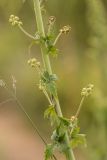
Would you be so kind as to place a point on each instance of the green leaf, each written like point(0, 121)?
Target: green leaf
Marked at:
point(48, 112)
point(49, 81)
point(49, 151)
point(80, 139)
point(51, 114)
point(51, 87)
point(64, 121)
point(52, 50)
point(53, 77)
point(47, 78)
point(75, 131)
point(58, 136)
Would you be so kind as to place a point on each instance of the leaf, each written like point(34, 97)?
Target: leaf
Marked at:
point(80, 139)
point(52, 50)
point(49, 111)
point(64, 121)
point(47, 78)
point(49, 151)
point(75, 131)
point(49, 81)
point(53, 77)
point(51, 114)
point(52, 88)
point(58, 136)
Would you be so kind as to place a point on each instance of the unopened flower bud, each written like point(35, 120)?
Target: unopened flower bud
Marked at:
point(14, 20)
point(72, 118)
point(65, 29)
point(29, 61)
point(51, 20)
point(87, 91)
point(33, 60)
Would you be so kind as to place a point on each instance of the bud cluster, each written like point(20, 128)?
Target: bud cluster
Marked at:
point(14, 20)
point(41, 86)
point(33, 62)
point(87, 90)
point(51, 20)
point(73, 118)
point(65, 29)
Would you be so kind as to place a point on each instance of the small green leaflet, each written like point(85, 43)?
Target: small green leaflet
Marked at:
point(75, 131)
point(51, 87)
point(80, 139)
point(49, 81)
point(49, 151)
point(66, 122)
point(77, 139)
point(47, 78)
point(51, 49)
point(58, 136)
point(51, 114)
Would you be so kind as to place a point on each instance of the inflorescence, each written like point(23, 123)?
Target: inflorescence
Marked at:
point(65, 29)
point(14, 20)
point(34, 63)
point(87, 90)
point(51, 20)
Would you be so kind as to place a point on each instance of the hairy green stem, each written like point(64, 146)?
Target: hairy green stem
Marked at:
point(41, 31)
point(47, 65)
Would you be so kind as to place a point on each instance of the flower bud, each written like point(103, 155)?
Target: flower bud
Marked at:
point(72, 118)
point(51, 20)
point(29, 61)
point(65, 29)
point(14, 20)
point(87, 90)
point(33, 60)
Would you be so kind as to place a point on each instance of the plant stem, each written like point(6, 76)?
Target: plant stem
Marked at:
point(41, 31)
point(57, 38)
point(26, 33)
point(79, 108)
point(47, 66)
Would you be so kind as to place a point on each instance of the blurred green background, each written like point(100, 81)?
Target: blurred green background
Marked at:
point(82, 60)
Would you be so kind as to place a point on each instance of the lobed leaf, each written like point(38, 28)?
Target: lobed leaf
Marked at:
point(80, 139)
point(51, 114)
point(49, 151)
